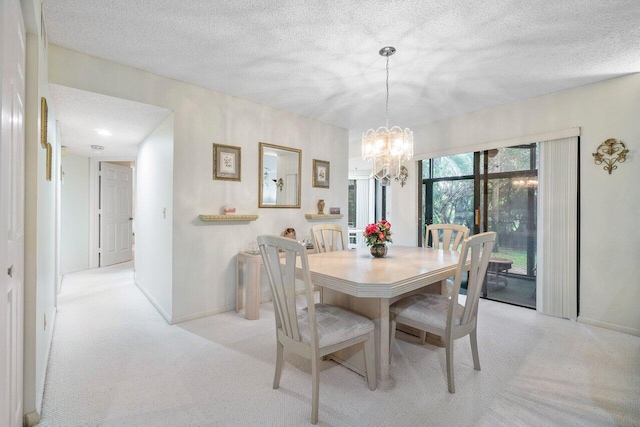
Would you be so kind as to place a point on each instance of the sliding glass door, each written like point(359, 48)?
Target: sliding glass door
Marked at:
point(448, 191)
point(494, 190)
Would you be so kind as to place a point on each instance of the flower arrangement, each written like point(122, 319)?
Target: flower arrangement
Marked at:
point(378, 233)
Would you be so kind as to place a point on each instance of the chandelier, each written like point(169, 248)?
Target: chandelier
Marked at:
point(387, 148)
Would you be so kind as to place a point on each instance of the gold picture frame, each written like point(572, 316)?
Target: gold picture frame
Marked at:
point(321, 173)
point(49, 160)
point(44, 136)
point(279, 186)
point(227, 162)
point(44, 117)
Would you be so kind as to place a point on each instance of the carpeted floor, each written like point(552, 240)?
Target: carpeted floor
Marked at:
point(115, 362)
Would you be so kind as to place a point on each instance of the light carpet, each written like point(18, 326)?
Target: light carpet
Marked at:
point(115, 362)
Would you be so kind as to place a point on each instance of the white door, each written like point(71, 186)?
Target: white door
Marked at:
point(115, 214)
point(11, 212)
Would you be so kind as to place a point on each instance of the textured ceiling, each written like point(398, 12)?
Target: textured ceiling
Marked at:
point(80, 113)
point(320, 58)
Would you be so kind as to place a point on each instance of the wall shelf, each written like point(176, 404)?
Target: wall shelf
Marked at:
point(315, 217)
point(226, 218)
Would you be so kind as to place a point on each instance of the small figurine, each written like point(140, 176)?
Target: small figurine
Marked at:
point(289, 233)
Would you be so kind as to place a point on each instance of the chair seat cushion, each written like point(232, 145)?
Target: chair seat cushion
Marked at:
point(428, 309)
point(335, 325)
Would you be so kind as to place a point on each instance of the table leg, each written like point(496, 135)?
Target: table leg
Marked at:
point(443, 287)
point(385, 380)
point(252, 309)
point(240, 278)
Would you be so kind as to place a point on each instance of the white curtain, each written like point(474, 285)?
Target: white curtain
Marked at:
point(362, 203)
point(557, 275)
point(364, 207)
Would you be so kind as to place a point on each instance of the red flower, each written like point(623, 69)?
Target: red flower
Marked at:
point(378, 233)
point(371, 229)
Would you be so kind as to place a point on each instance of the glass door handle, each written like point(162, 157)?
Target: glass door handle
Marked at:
point(478, 217)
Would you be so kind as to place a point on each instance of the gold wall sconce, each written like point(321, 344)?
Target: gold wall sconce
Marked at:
point(610, 152)
point(402, 176)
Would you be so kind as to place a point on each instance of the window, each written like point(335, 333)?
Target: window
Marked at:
point(352, 203)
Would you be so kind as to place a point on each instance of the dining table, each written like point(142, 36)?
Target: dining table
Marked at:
point(355, 280)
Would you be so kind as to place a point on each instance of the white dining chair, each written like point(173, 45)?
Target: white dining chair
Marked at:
point(445, 316)
point(328, 238)
point(318, 329)
point(446, 236)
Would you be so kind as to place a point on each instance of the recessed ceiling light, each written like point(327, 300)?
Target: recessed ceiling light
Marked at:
point(103, 132)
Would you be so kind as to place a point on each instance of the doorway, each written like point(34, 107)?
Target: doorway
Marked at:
point(491, 190)
point(367, 204)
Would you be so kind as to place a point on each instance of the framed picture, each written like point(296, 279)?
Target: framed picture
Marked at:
point(44, 119)
point(49, 160)
point(321, 173)
point(226, 162)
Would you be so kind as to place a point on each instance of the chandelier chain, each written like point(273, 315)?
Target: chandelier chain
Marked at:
point(387, 108)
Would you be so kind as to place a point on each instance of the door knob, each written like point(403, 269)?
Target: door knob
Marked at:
point(10, 271)
point(130, 218)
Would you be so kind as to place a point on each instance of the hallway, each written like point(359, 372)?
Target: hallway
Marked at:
point(116, 362)
point(108, 341)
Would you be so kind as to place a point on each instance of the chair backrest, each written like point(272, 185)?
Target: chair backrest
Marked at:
point(328, 238)
point(449, 235)
point(279, 255)
point(476, 251)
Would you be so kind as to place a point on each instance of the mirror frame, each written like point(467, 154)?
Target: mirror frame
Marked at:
point(264, 145)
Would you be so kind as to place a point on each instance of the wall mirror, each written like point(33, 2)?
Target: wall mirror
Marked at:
point(279, 172)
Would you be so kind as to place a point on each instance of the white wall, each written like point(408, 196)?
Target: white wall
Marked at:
point(402, 208)
point(74, 239)
point(609, 204)
point(40, 217)
point(204, 254)
point(154, 230)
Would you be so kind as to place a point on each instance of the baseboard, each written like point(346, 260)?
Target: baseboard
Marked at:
point(154, 303)
point(75, 270)
point(187, 317)
point(612, 326)
point(31, 419)
point(179, 319)
point(40, 389)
